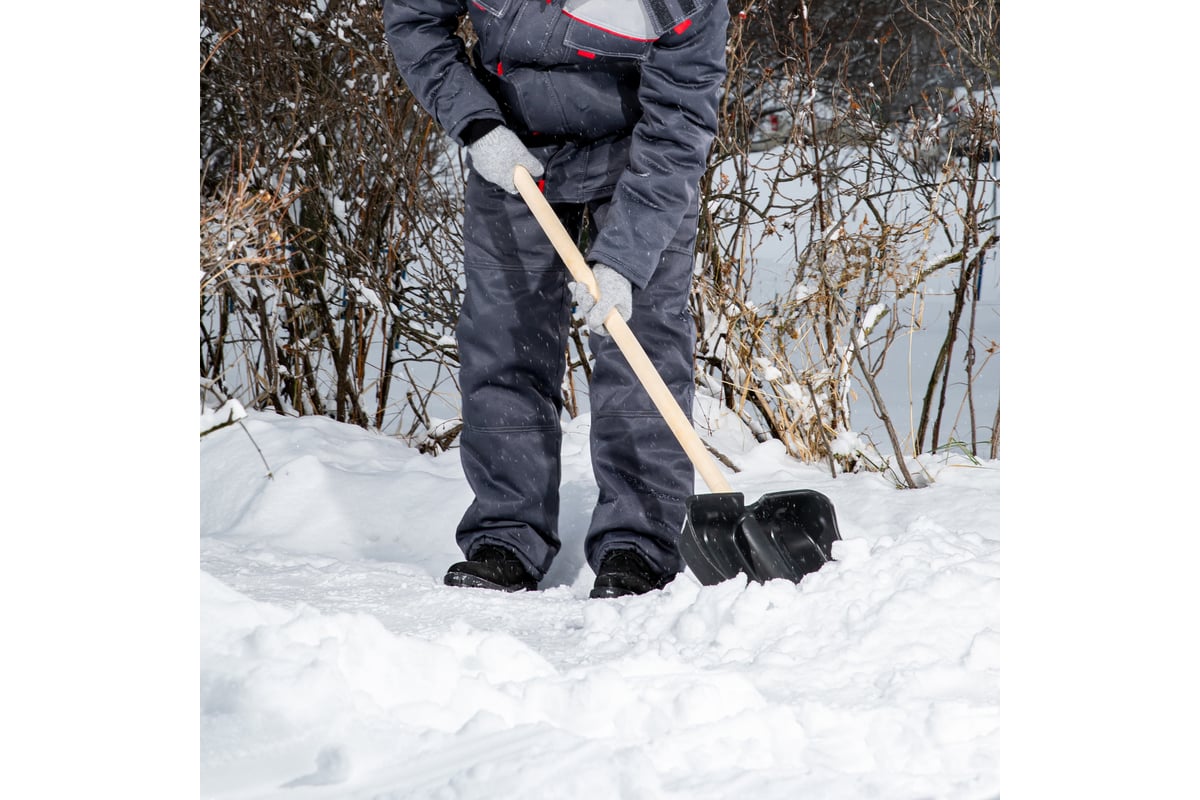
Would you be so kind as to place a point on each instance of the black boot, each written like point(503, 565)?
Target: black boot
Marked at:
point(491, 567)
point(624, 572)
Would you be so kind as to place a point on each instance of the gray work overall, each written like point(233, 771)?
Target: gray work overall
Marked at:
point(512, 338)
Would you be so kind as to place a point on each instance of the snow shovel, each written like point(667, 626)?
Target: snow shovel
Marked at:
point(784, 535)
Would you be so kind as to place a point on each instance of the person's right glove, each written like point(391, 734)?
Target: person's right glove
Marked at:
point(615, 292)
point(495, 154)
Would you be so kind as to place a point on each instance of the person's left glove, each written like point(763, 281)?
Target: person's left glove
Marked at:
point(495, 154)
point(615, 292)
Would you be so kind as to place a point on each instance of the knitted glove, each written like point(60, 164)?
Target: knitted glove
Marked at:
point(615, 292)
point(495, 155)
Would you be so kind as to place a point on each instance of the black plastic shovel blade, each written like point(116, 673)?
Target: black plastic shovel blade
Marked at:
point(707, 544)
point(783, 535)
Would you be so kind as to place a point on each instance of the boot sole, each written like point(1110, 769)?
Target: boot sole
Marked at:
point(605, 591)
point(609, 592)
point(462, 580)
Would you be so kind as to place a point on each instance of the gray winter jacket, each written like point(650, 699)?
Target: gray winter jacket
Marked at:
point(616, 97)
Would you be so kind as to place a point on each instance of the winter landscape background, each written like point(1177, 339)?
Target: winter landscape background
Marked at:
point(102, 599)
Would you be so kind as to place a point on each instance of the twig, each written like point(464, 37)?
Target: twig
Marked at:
point(719, 456)
point(224, 38)
point(270, 473)
point(233, 421)
point(881, 412)
point(821, 427)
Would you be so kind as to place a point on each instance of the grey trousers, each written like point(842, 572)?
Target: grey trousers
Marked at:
point(512, 339)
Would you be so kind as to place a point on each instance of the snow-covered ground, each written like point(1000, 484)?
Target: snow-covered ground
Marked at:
point(334, 664)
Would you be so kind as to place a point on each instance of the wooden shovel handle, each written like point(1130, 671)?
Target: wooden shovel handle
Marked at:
point(663, 400)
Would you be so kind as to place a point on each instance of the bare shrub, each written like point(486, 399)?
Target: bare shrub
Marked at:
point(359, 323)
point(830, 216)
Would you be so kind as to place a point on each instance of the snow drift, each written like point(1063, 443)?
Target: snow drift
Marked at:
point(335, 664)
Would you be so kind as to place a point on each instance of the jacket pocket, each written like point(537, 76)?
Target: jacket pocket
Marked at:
point(599, 34)
point(588, 104)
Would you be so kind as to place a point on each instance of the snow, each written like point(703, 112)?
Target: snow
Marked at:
point(333, 663)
